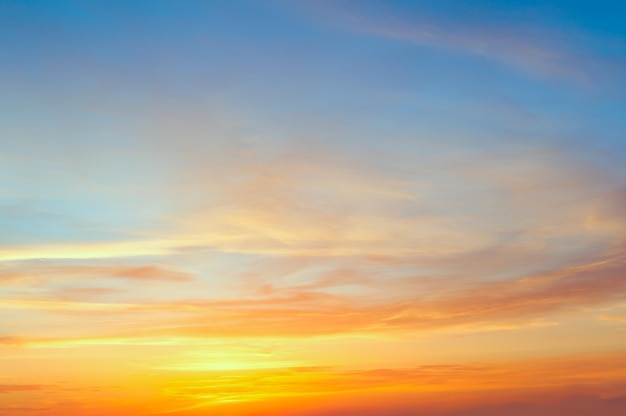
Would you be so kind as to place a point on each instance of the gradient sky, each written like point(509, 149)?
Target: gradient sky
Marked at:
point(312, 208)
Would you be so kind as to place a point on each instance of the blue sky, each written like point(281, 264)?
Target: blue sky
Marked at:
point(92, 91)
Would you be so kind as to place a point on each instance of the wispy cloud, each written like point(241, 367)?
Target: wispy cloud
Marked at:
point(68, 271)
point(524, 46)
point(86, 250)
point(341, 247)
point(308, 311)
point(9, 388)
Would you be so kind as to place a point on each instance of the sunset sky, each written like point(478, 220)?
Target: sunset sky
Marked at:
point(312, 208)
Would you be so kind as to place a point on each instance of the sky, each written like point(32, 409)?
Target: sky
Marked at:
point(312, 208)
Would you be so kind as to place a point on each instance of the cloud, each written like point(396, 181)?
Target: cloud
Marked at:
point(487, 304)
point(297, 312)
point(316, 205)
point(574, 405)
point(522, 405)
point(615, 318)
point(524, 46)
point(87, 250)
point(11, 388)
point(46, 305)
point(58, 270)
point(279, 306)
point(11, 341)
point(84, 293)
point(8, 276)
point(151, 273)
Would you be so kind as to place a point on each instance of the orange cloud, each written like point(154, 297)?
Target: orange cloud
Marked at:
point(38, 272)
point(10, 388)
